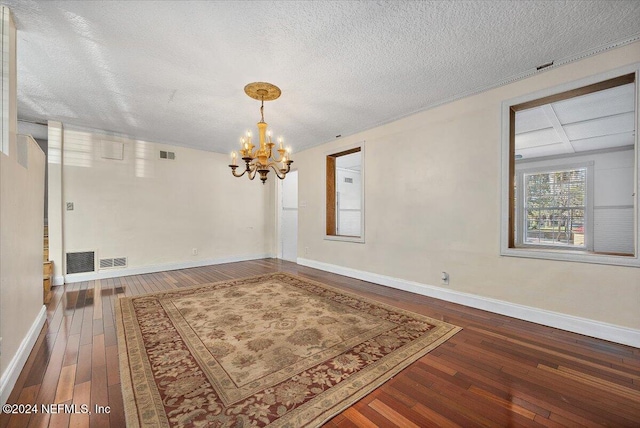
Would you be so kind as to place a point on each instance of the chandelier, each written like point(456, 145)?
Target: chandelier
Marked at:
point(261, 160)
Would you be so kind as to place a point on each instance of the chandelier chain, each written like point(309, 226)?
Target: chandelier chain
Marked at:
point(262, 110)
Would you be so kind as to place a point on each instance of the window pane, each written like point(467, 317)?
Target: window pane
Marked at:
point(554, 207)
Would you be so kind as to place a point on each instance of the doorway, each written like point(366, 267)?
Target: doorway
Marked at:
point(289, 217)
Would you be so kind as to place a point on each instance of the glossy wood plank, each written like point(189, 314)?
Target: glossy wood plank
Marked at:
point(497, 371)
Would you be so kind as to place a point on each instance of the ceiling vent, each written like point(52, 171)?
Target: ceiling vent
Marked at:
point(543, 66)
point(167, 155)
point(116, 262)
point(81, 262)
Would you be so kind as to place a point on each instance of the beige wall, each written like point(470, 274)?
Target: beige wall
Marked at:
point(21, 228)
point(156, 211)
point(432, 201)
point(22, 223)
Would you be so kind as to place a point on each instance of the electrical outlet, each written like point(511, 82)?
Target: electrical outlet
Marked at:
point(444, 278)
point(69, 206)
point(194, 252)
point(306, 251)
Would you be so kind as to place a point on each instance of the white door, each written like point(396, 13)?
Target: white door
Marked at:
point(289, 218)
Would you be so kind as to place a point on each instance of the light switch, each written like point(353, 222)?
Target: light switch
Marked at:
point(69, 206)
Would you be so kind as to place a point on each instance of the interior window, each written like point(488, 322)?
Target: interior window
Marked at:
point(344, 208)
point(572, 164)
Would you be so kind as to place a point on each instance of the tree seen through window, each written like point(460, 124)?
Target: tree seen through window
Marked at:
point(555, 207)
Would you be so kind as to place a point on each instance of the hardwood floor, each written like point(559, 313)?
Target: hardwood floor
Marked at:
point(497, 371)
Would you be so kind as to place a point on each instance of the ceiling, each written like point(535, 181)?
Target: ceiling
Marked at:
point(597, 121)
point(174, 72)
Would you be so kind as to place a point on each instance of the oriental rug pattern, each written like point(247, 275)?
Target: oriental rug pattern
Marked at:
point(273, 349)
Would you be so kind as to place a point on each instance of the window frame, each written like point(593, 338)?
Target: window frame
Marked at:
point(588, 207)
point(508, 174)
point(330, 192)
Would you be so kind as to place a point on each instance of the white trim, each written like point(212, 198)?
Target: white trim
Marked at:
point(10, 375)
point(587, 327)
point(58, 280)
point(565, 255)
point(344, 238)
point(115, 273)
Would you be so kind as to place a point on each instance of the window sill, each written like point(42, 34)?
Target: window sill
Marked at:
point(356, 239)
point(572, 256)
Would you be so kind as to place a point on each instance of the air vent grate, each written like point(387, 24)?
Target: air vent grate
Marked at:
point(106, 263)
point(348, 180)
point(116, 262)
point(81, 262)
point(167, 155)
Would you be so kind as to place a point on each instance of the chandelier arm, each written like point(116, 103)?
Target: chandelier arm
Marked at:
point(234, 167)
point(282, 153)
point(278, 171)
point(235, 174)
point(289, 162)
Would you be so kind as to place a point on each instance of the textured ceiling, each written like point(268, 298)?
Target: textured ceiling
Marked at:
point(174, 71)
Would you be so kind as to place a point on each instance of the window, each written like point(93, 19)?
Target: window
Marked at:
point(555, 211)
point(345, 195)
point(8, 42)
point(570, 172)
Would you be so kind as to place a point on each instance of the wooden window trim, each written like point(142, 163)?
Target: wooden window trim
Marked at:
point(331, 191)
point(331, 195)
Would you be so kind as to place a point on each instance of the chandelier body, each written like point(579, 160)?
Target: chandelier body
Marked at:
point(261, 160)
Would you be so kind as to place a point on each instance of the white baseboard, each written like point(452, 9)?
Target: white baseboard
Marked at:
point(58, 280)
point(10, 375)
point(600, 330)
point(115, 273)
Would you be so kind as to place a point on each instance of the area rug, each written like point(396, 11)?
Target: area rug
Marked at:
point(275, 349)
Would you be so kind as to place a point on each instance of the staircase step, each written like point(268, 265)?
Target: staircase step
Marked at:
point(47, 268)
point(47, 273)
point(46, 290)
